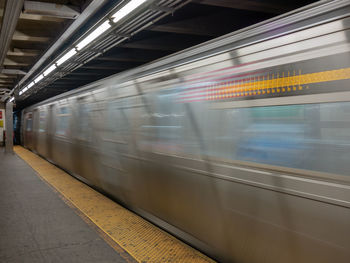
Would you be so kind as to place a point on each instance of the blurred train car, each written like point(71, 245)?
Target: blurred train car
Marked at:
point(239, 146)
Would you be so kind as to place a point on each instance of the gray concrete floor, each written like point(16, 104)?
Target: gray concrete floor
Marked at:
point(37, 226)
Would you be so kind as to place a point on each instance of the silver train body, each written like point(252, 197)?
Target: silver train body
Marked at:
point(239, 146)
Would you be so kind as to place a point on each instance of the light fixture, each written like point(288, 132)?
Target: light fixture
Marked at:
point(12, 99)
point(49, 70)
point(93, 35)
point(127, 9)
point(39, 78)
point(117, 16)
point(67, 56)
point(31, 84)
point(23, 90)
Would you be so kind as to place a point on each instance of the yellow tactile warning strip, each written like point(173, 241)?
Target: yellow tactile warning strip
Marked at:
point(142, 240)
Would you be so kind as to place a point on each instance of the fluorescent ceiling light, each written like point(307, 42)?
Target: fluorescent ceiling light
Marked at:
point(12, 99)
point(127, 9)
point(93, 35)
point(67, 56)
point(31, 84)
point(39, 78)
point(49, 70)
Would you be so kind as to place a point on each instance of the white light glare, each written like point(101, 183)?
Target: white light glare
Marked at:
point(23, 90)
point(93, 35)
point(39, 78)
point(127, 9)
point(49, 70)
point(31, 84)
point(12, 99)
point(67, 56)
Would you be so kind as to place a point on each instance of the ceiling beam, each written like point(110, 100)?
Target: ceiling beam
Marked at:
point(23, 52)
point(250, 5)
point(5, 89)
point(182, 29)
point(50, 9)
point(127, 55)
point(121, 59)
point(13, 71)
point(102, 67)
point(20, 36)
point(10, 62)
point(64, 83)
point(54, 84)
point(85, 74)
point(89, 11)
point(9, 22)
point(149, 46)
point(56, 87)
point(44, 18)
point(211, 25)
point(8, 81)
point(82, 78)
point(3, 76)
point(162, 43)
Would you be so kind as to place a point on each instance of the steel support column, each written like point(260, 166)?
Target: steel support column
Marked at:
point(9, 127)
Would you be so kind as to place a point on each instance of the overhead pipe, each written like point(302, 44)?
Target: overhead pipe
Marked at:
point(88, 12)
point(137, 24)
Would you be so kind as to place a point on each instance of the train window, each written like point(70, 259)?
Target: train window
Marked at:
point(29, 123)
point(162, 132)
point(117, 124)
point(62, 124)
point(310, 137)
point(42, 121)
point(83, 125)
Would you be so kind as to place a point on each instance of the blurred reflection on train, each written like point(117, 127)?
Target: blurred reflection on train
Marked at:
point(239, 146)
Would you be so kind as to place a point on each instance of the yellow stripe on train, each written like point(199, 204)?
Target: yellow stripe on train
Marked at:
point(291, 83)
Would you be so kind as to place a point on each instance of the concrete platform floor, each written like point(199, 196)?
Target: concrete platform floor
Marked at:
point(36, 225)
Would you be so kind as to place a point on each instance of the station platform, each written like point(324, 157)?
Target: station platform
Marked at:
point(49, 216)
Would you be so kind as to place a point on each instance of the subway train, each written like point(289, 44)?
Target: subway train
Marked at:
point(239, 146)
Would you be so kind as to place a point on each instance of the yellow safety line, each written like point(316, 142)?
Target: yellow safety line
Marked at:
point(141, 239)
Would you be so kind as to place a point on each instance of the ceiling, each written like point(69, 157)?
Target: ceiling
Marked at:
point(33, 33)
point(193, 23)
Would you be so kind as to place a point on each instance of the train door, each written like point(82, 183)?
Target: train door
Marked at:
point(42, 132)
point(28, 130)
point(114, 145)
point(50, 131)
point(83, 148)
point(61, 148)
point(36, 130)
